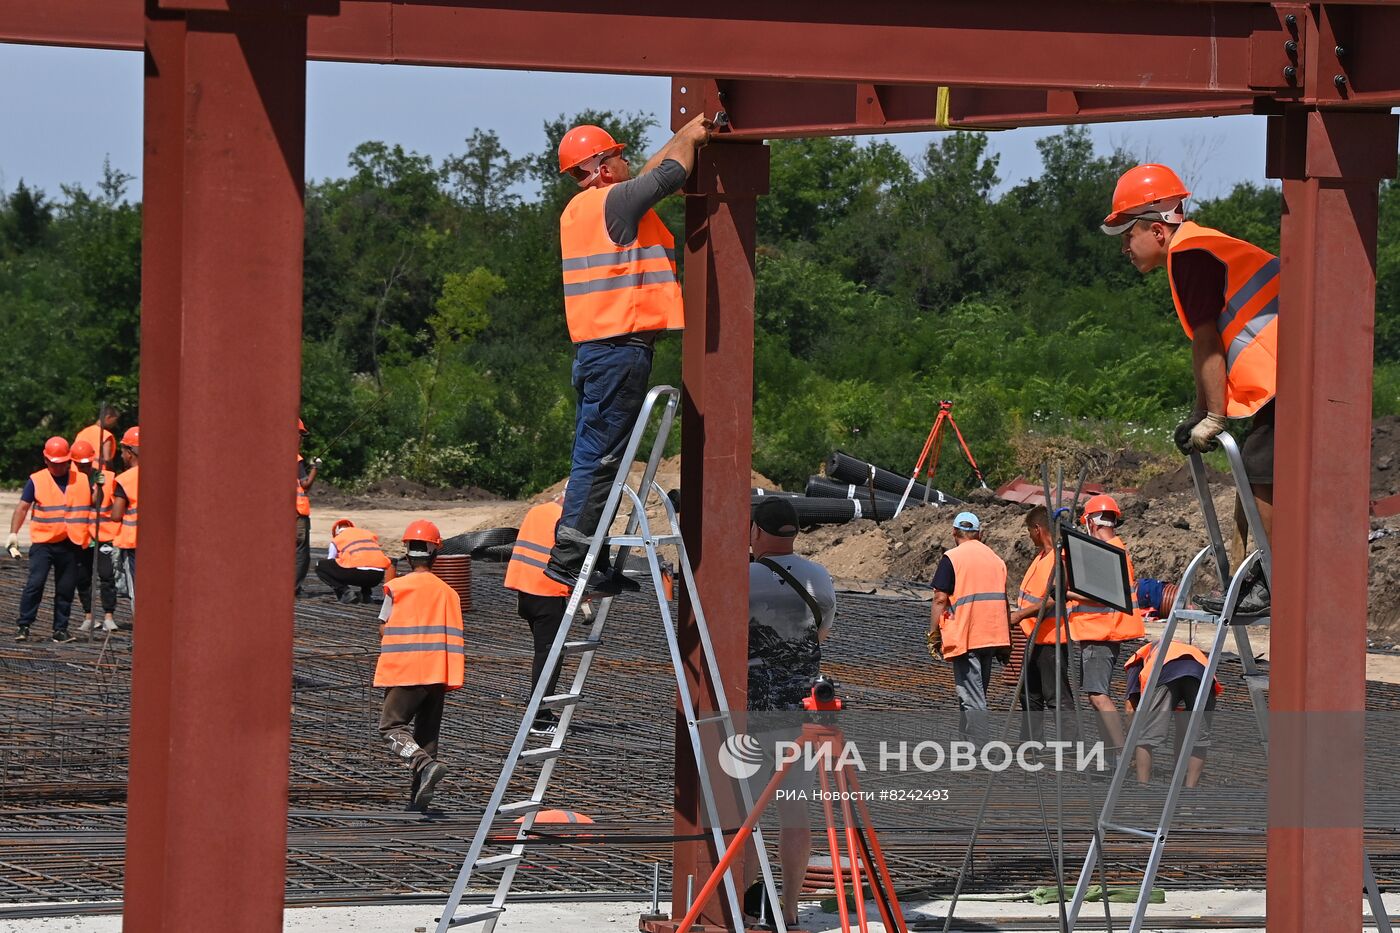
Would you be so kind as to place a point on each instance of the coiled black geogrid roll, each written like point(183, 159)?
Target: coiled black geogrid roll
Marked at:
point(848, 469)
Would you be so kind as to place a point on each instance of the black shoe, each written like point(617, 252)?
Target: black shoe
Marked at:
point(366, 597)
point(427, 780)
point(22, 634)
point(1256, 599)
point(599, 583)
point(625, 583)
point(347, 597)
point(60, 636)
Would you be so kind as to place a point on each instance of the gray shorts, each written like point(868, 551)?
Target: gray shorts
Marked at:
point(1097, 662)
point(1158, 714)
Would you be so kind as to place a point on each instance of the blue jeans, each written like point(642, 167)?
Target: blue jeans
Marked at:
point(611, 382)
point(62, 556)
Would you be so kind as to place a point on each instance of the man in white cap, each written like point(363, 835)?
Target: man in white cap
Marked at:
point(971, 622)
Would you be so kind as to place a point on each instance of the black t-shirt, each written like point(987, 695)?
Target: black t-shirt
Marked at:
point(1199, 278)
point(943, 578)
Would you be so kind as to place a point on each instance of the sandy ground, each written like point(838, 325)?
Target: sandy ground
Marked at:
point(623, 915)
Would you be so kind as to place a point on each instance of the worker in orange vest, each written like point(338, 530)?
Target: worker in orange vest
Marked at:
point(306, 478)
point(1100, 629)
point(620, 293)
point(1040, 693)
point(125, 510)
point(421, 657)
point(540, 601)
point(45, 496)
point(1177, 686)
point(1226, 296)
point(354, 559)
point(971, 622)
point(102, 435)
point(88, 507)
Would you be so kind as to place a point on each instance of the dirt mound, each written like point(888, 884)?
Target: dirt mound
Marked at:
point(1385, 457)
point(1113, 467)
point(394, 492)
point(668, 474)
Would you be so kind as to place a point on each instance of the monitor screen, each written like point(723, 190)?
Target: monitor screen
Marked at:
point(1097, 569)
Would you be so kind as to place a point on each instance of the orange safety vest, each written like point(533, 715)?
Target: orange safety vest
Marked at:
point(611, 290)
point(976, 615)
point(48, 522)
point(525, 572)
point(355, 547)
point(1093, 621)
point(1248, 322)
point(96, 435)
point(1035, 586)
point(423, 641)
point(79, 510)
point(303, 500)
point(126, 537)
point(1194, 666)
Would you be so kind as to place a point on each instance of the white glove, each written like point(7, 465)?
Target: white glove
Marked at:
point(12, 544)
point(1204, 433)
point(315, 463)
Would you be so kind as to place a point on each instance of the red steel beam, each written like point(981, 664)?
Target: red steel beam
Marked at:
point(782, 109)
point(717, 441)
point(1331, 163)
point(1235, 49)
point(221, 332)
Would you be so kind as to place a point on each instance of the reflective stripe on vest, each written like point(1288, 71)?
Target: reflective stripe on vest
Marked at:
point(610, 290)
point(977, 610)
point(525, 572)
point(1033, 584)
point(129, 481)
point(79, 512)
point(355, 547)
point(1248, 321)
point(48, 519)
point(422, 641)
point(1092, 621)
point(1182, 660)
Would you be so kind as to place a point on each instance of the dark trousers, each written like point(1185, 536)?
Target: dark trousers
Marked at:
point(62, 557)
point(410, 720)
point(1040, 679)
point(611, 382)
point(340, 578)
point(303, 548)
point(544, 615)
point(106, 578)
point(130, 558)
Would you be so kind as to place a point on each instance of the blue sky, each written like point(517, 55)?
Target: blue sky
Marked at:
point(64, 110)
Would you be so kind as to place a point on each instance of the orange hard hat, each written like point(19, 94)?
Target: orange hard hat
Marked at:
point(559, 816)
point(583, 143)
point(301, 426)
point(81, 452)
point(132, 437)
point(1147, 191)
point(340, 526)
point(56, 450)
point(1102, 503)
point(423, 530)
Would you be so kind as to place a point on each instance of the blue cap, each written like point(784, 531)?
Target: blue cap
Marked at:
point(966, 521)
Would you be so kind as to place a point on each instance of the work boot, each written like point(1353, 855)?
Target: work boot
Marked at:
point(61, 636)
point(1254, 601)
point(22, 634)
point(347, 597)
point(427, 780)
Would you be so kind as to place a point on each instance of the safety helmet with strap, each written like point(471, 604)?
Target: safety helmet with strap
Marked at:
point(1146, 192)
point(586, 147)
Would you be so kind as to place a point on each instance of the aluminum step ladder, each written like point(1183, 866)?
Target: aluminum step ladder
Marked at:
point(659, 408)
point(1227, 622)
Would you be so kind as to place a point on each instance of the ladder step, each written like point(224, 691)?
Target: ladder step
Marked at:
point(497, 861)
point(560, 699)
point(640, 541)
point(1251, 620)
point(579, 647)
point(489, 913)
point(1257, 681)
point(718, 717)
point(1131, 831)
point(1197, 615)
point(519, 807)
point(544, 753)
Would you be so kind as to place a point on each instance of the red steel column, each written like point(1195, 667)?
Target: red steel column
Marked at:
point(717, 447)
point(220, 382)
point(1330, 163)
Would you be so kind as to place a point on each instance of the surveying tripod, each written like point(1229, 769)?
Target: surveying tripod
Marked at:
point(933, 446)
point(660, 406)
point(821, 742)
point(1227, 621)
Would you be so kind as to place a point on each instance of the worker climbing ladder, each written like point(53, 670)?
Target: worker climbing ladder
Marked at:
point(640, 536)
point(1228, 622)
